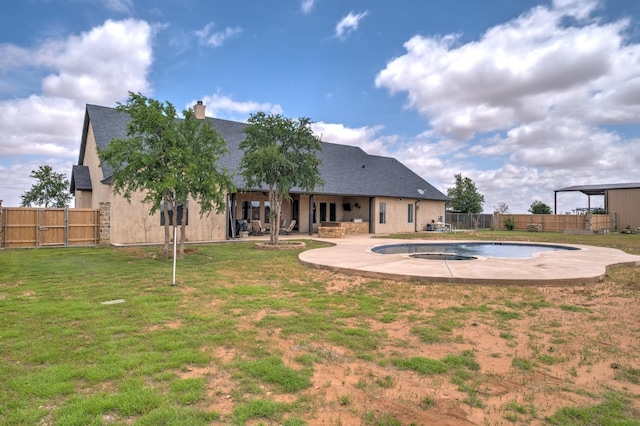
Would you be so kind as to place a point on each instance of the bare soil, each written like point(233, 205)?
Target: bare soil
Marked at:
point(576, 342)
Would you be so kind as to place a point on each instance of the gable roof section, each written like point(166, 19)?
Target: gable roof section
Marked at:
point(599, 189)
point(80, 179)
point(346, 170)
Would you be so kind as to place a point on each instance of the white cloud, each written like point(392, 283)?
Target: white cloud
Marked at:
point(97, 66)
point(40, 126)
point(349, 24)
point(367, 138)
point(521, 110)
point(221, 106)
point(216, 39)
point(518, 72)
point(307, 6)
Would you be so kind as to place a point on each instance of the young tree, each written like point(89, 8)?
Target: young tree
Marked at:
point(538, 207)
point(465, 198)
point(280, 153)
point(501, 208)
point(50, 190)
point(168, 160)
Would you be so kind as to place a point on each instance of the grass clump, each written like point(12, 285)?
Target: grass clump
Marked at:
point(522, 364)
point(272, 370)
point(259, 409)
point(614, 410)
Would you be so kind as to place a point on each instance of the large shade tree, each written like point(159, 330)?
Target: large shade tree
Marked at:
point(168, 160)
point(464, 196)
point(50, 189)
point(280, 153)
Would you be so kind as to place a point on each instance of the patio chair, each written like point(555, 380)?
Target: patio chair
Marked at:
point(289, 228)
point(256, 228)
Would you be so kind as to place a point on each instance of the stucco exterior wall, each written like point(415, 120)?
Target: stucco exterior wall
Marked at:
point(100, 191)
point(359, 209)
point(131, 223)
point(397, 214)
point(82, 199)
point(428, 211)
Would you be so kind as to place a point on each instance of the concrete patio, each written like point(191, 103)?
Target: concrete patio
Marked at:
point(352, 255)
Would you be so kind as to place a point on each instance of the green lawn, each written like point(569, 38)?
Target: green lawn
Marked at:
point(69, 358)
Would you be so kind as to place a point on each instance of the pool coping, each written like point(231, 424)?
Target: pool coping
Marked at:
point(352, 255)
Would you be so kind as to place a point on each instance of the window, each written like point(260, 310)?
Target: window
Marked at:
point(246, 208)
point(323, 212)
point(267, 211)
point(255, 210)
point(410, 213)
point(332, 212)
point(383, 212)
point(251, 210)
point(182, 213)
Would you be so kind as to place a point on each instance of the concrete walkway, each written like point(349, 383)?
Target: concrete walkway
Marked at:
point(352, 255)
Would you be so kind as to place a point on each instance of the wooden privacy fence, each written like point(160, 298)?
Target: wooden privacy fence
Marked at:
point(557, 222)
point(36, 227)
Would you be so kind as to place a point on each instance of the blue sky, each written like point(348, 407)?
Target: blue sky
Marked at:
point(523, 97)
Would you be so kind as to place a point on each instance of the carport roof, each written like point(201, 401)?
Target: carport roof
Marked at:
point(599, 189)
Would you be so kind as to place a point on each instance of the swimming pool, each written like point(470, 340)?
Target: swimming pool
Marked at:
point(468, 250)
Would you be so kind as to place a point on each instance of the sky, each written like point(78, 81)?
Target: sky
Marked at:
point(522, 97)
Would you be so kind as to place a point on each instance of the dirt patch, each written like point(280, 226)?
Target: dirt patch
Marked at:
point(538, 350)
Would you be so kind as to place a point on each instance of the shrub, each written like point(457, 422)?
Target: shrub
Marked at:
point(509, 223)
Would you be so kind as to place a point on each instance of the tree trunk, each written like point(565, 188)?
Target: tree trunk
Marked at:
point(274, 232)
point(183, 228)
point(165, 252)
point(174, 217)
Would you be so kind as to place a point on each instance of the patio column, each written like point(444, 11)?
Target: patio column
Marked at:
point(310, 214)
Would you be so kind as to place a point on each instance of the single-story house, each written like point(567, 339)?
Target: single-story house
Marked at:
point(366, 193)
point(621, 201)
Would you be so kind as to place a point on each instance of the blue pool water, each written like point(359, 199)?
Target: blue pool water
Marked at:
point(466, 251)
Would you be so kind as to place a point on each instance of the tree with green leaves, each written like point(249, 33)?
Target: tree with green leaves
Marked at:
point(280, 153)
point(168, 160)
point(464, 196)
point(50, 189)
point(538, 207)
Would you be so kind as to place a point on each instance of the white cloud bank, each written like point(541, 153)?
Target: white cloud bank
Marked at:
point(98, 66)
point(534, 92)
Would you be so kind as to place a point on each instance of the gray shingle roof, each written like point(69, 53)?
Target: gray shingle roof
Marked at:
point(80, 179)
point(346, 170)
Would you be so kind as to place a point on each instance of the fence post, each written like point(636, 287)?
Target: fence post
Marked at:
point(2, 225)
point(105, 223)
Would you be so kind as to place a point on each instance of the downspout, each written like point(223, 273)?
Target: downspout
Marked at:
point(415, 219)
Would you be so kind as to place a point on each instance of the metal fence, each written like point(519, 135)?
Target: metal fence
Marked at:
point(469, 220)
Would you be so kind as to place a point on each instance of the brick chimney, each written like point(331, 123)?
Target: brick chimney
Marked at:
point(198, 110)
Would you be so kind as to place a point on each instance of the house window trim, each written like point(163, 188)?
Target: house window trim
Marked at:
point(382, 212)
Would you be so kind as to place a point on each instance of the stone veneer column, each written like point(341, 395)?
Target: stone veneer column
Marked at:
point(104, 232)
